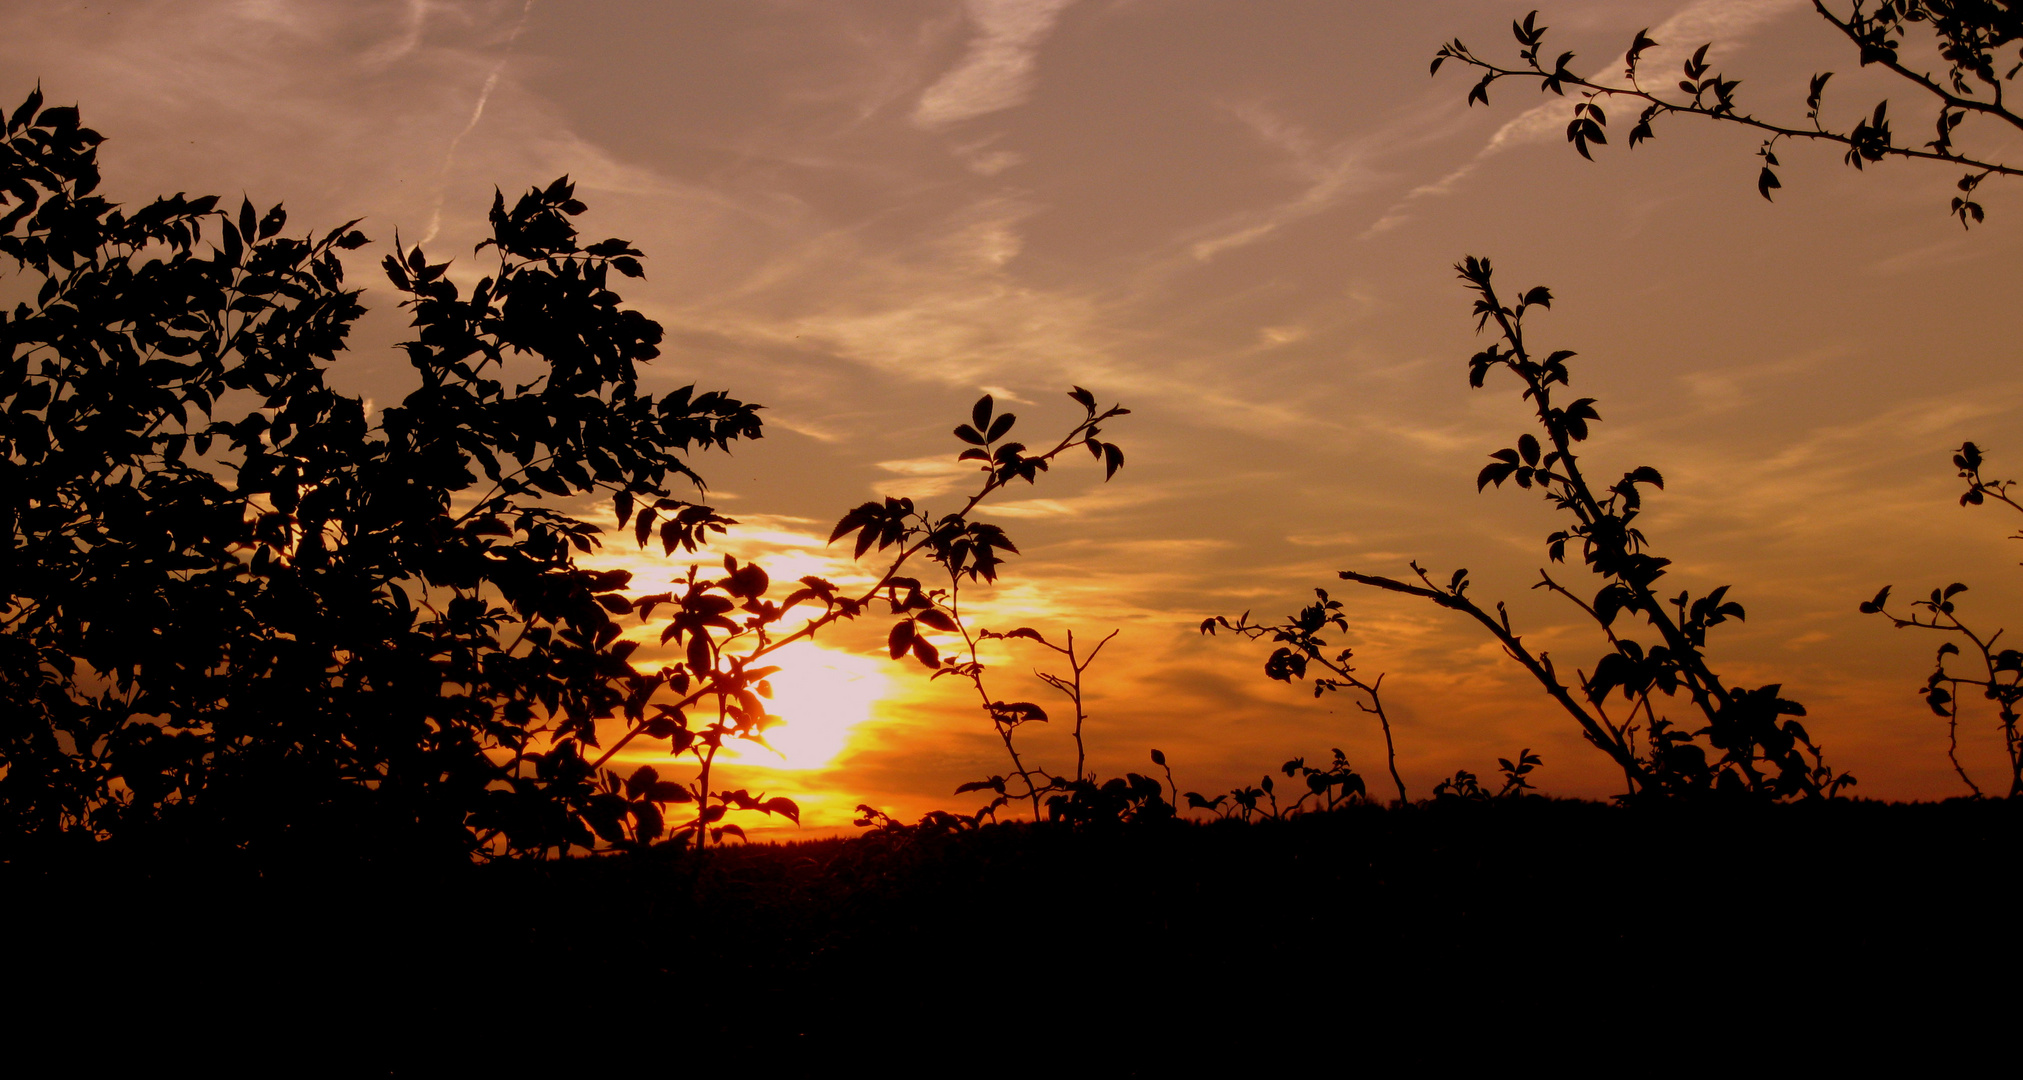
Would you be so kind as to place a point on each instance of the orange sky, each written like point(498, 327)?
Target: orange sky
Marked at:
point(1239, 220)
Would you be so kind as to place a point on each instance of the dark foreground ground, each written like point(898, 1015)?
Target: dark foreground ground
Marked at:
point(1517, 937)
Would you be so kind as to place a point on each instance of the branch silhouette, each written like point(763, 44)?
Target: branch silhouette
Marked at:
point(1971, 38)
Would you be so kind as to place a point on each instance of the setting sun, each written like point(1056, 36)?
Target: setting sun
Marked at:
point(820, 695)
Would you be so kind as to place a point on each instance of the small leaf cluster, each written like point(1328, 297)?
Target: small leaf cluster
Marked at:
point(970, 549)
point(1329, 787)
point(1120, 800)
point(970, 552)
point(1466, 787)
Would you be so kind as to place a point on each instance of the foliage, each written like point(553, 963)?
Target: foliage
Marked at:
point(1122, 799)
point(1331, 787)
point(964, 548)
point(1465, 786)
point(238, 606)
point(966, 552)
point(1300, 645)
point(1997, 673)
point(247, 612)
point(1977, 43)
point(1751, 742)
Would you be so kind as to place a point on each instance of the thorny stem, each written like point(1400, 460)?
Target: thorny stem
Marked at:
point(702, 793)
point(1374, 691)
point(975, 674)
point(1376, 705)
point(1621, 732)
point(1310, 647)
point(1072, 688)
point(1953, 743)
point(1539, 666)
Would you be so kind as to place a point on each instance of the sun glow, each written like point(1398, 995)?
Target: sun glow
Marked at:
point(819, 695)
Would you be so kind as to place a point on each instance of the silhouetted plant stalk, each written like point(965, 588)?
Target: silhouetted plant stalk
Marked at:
point(1008, 716)
point(1159, 759)
point(1970, 38)
point(964, 549)
point(967, 552)
point(1300, 645)
point(1761, 747)
point(1999, 672)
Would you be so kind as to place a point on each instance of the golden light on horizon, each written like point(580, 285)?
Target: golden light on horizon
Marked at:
point(820, 695)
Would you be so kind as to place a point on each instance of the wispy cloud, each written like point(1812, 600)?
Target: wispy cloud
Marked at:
point(922, 478)
point(435, 219)
point(1329, 173)
point(997, 71)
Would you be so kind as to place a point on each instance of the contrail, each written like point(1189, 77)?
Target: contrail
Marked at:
point(435, 218)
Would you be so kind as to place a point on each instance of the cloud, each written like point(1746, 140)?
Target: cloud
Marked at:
point(942, 305)
point(996, 73)
point(1329, 174)
point(435, 219)
point(923, 478)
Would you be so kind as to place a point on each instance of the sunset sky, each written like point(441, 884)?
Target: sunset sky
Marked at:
point(1238, 219)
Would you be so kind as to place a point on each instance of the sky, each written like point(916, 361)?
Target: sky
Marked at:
point(1237, 219)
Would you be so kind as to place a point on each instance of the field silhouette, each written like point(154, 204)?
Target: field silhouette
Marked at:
point(1426, 937)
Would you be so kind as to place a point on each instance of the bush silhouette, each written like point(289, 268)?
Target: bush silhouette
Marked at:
point(1743, 741)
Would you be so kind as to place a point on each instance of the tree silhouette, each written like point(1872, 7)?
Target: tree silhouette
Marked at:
point(1977, 43)
point(246, 612)
point(239, 607)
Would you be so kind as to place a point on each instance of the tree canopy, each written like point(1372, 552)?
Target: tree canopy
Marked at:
point(238, 606)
